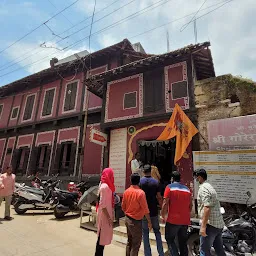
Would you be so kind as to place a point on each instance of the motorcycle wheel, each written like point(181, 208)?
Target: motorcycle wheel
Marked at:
point(194, 245)
point(18, 210)
point(58, 215)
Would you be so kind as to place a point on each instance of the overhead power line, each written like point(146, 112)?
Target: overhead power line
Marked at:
point(62, 13)
point(36, 28)
point(14, 62)
point(150, 30)
point(186, 25)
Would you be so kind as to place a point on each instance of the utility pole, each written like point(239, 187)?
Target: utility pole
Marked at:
point(168, 41)
point(195, 31)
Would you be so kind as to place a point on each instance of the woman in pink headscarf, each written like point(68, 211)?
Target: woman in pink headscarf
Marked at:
point(105, 211)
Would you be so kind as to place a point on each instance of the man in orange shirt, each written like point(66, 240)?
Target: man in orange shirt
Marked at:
point(135, 207)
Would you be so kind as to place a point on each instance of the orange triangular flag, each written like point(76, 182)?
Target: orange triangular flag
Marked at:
point(169, 130)
point(180, 126)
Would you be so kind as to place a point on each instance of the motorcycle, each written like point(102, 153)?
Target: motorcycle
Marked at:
point(34, 199)
point(239, 235)
point(63, 202)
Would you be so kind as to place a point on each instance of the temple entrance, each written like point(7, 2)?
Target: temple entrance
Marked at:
point(160, 153)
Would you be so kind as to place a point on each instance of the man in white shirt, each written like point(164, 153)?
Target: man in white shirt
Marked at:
point(136, 164)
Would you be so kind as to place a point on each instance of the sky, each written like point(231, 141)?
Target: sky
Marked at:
point(230, 29)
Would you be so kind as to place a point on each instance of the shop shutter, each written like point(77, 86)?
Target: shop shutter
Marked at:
point(47, 157)
point(26, 158)
point(72, 159)
point(15, 159)
point(32, 167)
point(48, 102)
point(57, 158)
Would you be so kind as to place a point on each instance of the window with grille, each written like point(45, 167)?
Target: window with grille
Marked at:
point(130, 100)
point(48, 102)
point(179, 90)
point(15, 112)
point(29, 107)
point(70, 96)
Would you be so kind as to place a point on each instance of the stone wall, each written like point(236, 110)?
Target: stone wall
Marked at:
point(216, 98)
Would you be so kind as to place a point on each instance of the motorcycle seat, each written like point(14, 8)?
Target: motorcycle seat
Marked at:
point(35, 190)
point(73, 194)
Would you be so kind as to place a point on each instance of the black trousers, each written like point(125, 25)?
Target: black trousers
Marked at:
point(99, 248)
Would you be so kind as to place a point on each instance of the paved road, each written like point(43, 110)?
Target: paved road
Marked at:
point(42, 235)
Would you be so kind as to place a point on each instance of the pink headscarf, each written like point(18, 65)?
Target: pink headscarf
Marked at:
point(107, 177)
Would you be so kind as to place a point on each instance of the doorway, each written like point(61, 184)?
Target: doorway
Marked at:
point(160, 153)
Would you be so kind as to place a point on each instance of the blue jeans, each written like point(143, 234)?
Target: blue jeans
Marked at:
point(213, 238)
point(171, 231)
point(156, 229)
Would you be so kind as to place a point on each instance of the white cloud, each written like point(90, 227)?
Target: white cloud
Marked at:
point(230, 30)
point(39, 58)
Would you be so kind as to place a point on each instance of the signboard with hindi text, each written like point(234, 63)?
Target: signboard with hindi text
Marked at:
point(118, 157)
point(231, 173)
point(232, 133)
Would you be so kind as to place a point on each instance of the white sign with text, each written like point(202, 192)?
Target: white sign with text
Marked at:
point(231, 173)
point(118, 157)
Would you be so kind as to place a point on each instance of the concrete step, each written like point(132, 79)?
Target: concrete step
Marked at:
point(121, 241)
point(120, 235)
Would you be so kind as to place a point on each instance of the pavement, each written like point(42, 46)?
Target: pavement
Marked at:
point(39, 233)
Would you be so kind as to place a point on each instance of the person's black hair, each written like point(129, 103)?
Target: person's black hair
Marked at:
point(201, 172)
point(137, 153)
point(176, 176)
point(135, 179)
point(147, 168)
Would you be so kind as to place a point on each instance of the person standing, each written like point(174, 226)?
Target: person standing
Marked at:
point(212, 222)
point(135, 207)
point(136, 164)
point(105, 211)
point(7, 186)
point(155, 173)
point(177, 204)
point(152, 190)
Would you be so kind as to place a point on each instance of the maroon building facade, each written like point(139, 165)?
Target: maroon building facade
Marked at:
point(42, 117)
point(138, 100)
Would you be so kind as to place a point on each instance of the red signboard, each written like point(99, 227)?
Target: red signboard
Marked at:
point(232, 133)
point(98, 137)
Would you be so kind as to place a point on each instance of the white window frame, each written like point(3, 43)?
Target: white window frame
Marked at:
point(33, 108)
point(50, 115)
point(136, 100)
point(64, 97)
point(1, 114)
point(15, 118)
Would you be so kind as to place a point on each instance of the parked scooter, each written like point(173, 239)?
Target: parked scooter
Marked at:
point(37, 184)
point(34, 199)
point(239, 235)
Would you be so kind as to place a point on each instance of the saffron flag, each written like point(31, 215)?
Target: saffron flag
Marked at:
point(180, 126)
